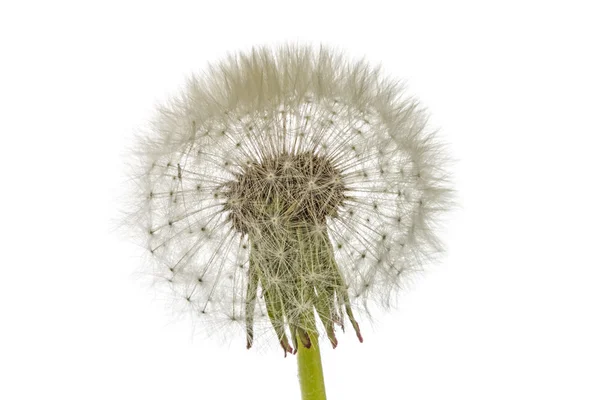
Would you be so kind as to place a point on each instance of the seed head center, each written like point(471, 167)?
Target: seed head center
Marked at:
point(284, 190)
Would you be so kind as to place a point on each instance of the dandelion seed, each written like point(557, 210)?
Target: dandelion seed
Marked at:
point(290, 188)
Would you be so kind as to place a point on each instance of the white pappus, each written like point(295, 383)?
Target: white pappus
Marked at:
point(286, 188)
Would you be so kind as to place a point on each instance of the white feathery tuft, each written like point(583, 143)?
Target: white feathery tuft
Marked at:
point(285, 182)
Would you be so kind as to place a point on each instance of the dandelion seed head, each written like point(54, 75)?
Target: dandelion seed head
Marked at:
point(289, 182)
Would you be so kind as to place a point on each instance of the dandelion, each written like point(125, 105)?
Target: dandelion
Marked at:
point(289, 189)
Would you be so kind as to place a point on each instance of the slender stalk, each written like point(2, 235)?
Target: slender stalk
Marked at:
point(310, 370)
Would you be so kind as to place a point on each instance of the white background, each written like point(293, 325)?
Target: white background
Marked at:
point(511, 313)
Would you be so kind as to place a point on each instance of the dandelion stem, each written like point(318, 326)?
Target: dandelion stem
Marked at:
point(310, 370)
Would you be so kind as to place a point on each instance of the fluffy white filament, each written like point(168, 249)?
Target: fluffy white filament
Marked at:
point(254, 107)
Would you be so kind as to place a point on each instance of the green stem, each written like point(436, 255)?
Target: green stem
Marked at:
point(310, 370)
